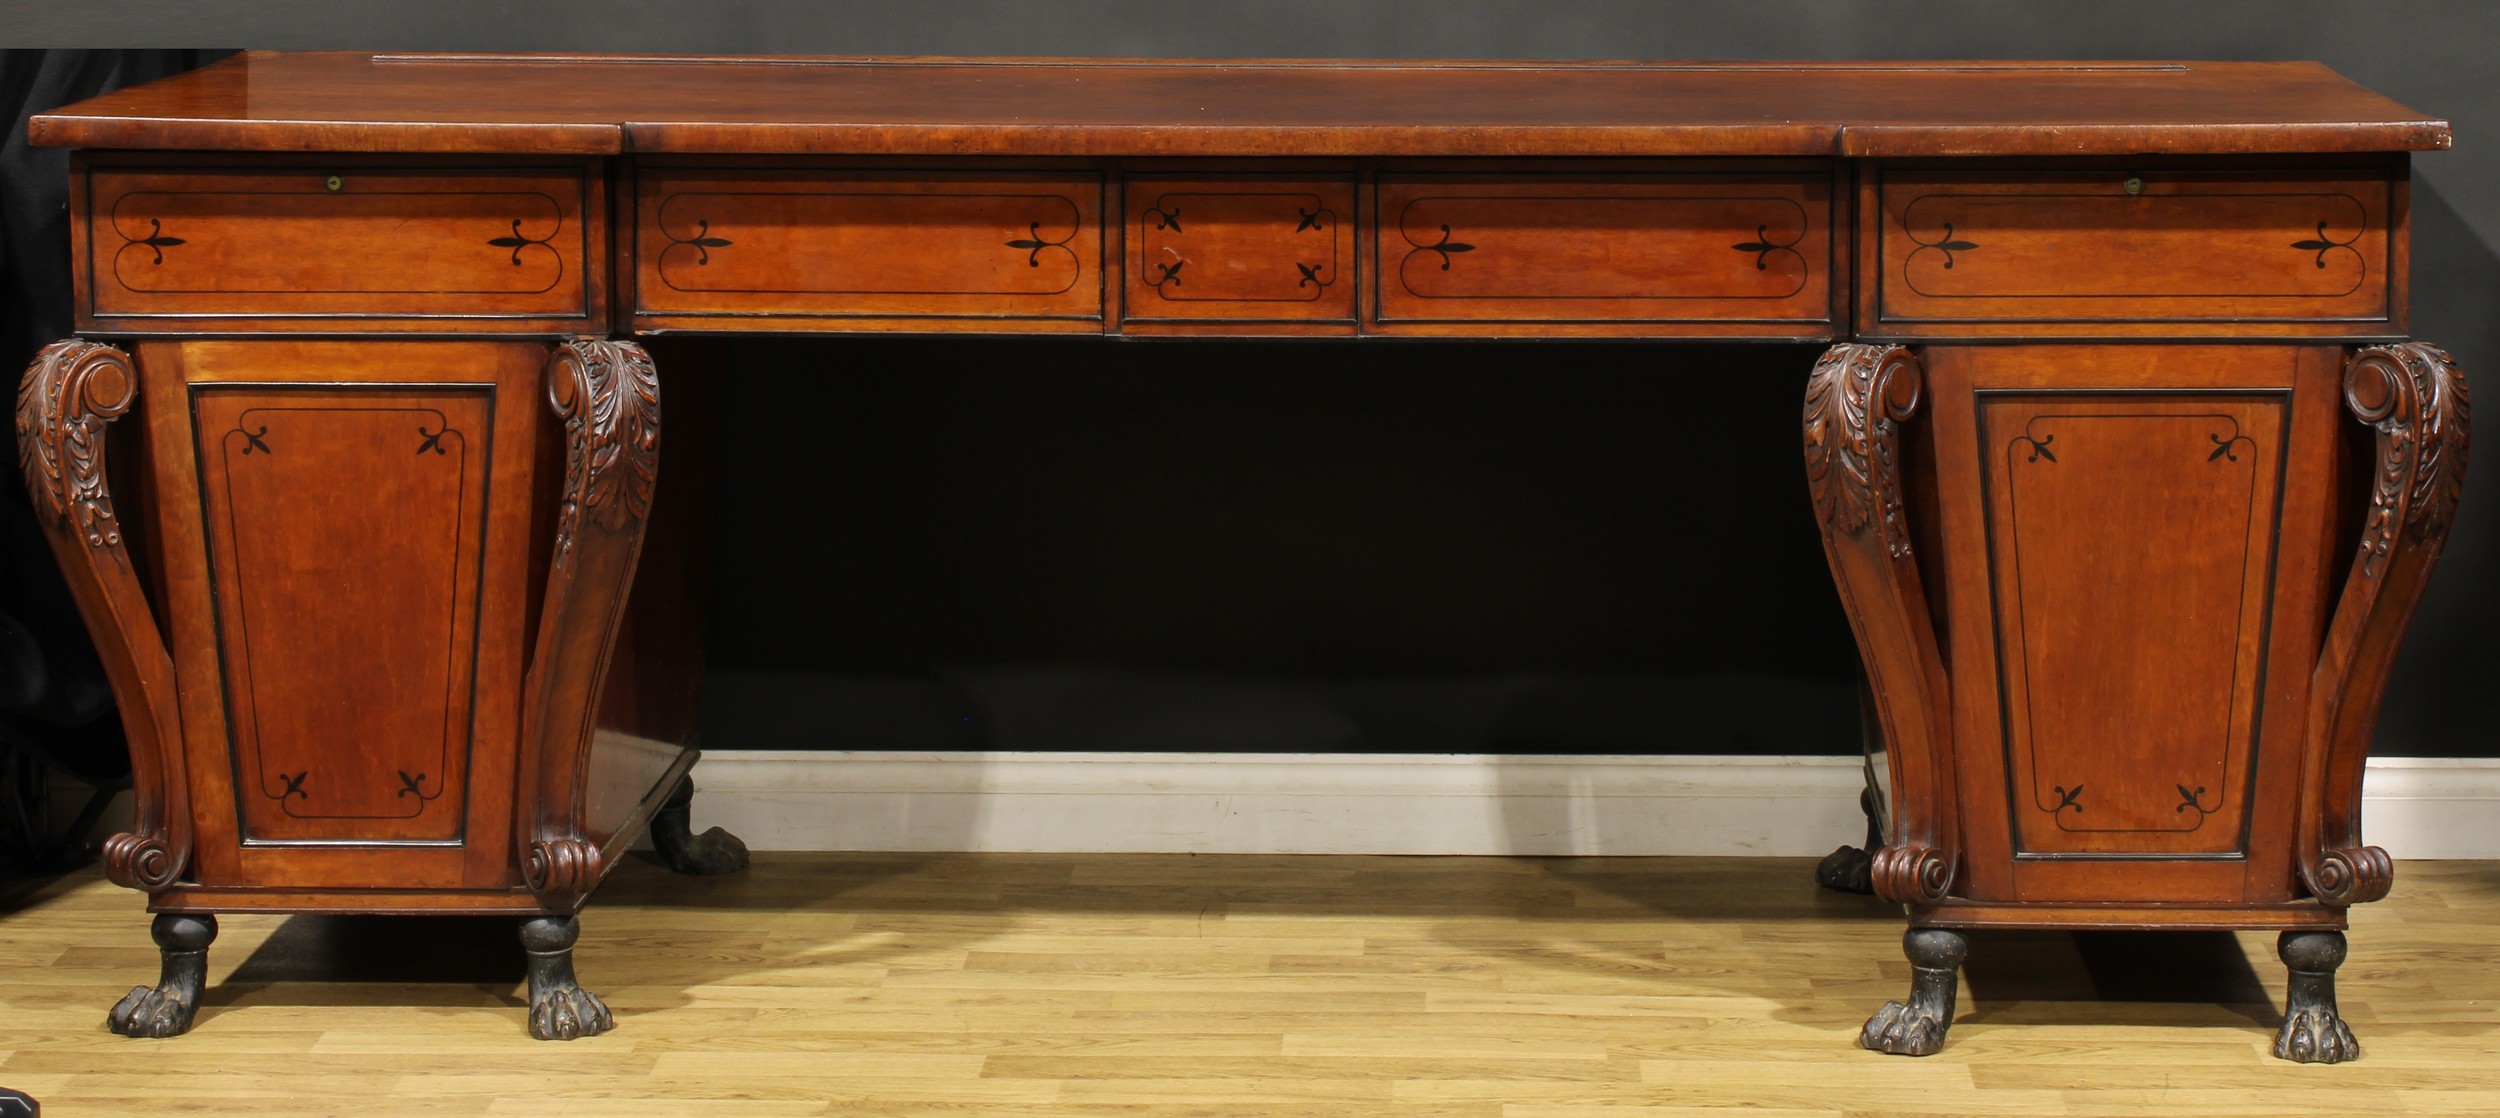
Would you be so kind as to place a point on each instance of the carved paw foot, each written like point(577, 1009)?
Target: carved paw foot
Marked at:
point(150, 1012)
point(568, 1013)
point(2315, 1036)
point(1847, 870)
point(1905, 1030)
point(715, 851)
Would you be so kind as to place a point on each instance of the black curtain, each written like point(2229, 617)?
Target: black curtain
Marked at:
point(55, 707)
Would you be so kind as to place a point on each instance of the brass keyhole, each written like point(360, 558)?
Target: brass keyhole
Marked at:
point(2133, 185)
point(337, 184)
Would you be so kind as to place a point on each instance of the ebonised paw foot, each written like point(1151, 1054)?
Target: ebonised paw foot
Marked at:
point(150, 1012)
point(559, 1008)
point(1847, 870)
point(1917, 1027)
point(715, 851)
point(1905, 1030)
point(166, 1009)
point(568, 1014)
point(2313, 1030)
point(2315, 1036)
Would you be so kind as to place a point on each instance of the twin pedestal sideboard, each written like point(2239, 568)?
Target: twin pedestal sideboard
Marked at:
point(2127, 475)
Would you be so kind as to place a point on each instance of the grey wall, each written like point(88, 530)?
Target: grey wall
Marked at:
point(2434, 55)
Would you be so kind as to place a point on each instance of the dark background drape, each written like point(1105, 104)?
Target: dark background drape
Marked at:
point(1529, 547)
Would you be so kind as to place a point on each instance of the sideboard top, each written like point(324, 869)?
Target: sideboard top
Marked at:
point(605, 104)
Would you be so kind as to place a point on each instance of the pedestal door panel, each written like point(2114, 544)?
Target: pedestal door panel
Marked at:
point(351, 644)
point(2138, 558)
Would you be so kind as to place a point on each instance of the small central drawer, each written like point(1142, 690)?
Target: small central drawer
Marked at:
point(1667, 254)
point(2136, 252)
point(742, 249)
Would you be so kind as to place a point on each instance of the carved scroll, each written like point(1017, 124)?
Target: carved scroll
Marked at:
point(71, 391)
point(1856, 401)
point(608, 396)
point(2413, 395)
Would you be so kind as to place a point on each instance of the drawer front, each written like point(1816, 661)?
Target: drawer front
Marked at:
point(1240, 250)
point(758, 246)
point(459, 244)
point(2116, 249)
point(1724, 249)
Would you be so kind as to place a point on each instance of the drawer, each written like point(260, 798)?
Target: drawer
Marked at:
point(747, 249)
point(1240, 250)
point(2137, 252)
point(452, 246)
point(1745, 253)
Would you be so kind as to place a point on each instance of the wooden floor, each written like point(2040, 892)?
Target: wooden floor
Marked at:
point(1255, 986)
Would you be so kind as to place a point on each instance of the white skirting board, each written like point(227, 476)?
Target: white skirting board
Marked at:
point(1243, 803)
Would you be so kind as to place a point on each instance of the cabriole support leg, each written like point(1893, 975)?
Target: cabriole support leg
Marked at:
point(166, 1008)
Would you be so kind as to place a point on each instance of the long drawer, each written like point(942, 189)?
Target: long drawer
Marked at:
point(211, 249)
point(2135, 252)
point(1667, 254)
point(752, 249)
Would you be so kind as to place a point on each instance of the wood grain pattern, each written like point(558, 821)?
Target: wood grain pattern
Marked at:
point(291, 592)
point(385, 655)
point(1098, 985)
point(1240, 249)
point(743, 250)
point(2076, 252)
point(1745, 251)
point(2132, 627)
point(68, 395)
point(490, 248)
point(607, 105)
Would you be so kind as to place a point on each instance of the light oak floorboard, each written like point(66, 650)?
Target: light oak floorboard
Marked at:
point(1265, 987)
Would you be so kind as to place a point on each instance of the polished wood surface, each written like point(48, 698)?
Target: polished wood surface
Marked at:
point(608, 105)
point(2206, 252)
point(1106, 985)
point(2126, 610)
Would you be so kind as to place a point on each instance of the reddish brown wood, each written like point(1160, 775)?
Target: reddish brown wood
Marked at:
point(2123, 672)
point(2414, 397)
point(419, 620)
point(209, 244)
point(1857, 400)
point(2194, 251)
point(70, 392)
point(608, 396)
point(1741, 253)
point(954, 107)
point(729, 250)
point(1245, 249)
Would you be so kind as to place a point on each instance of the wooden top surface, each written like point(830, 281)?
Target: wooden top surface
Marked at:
point(607, 104)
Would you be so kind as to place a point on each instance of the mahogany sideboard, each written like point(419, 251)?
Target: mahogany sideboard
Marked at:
point(2126, 471)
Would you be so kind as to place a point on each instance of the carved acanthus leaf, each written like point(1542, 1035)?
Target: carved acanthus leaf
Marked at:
point(2416, 399)
point(69, 393)
point(608, 395)
point(1856, 400)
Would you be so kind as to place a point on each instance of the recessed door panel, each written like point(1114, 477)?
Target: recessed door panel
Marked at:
point(345, 528)
point(2130, 559)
